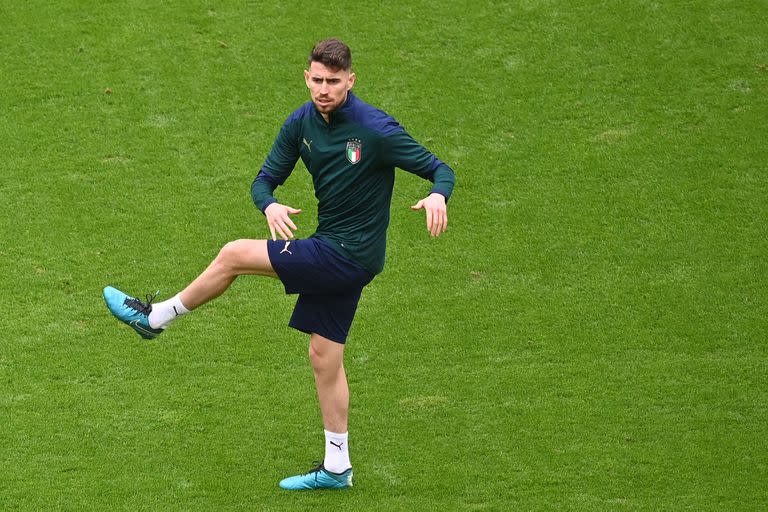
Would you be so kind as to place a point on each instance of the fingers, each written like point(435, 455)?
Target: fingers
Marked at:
point(283, 230)
point(279, 222)
point(284, 226)
point(439, 222)
point(431, 221)
point(436, 213)
point(289, 224)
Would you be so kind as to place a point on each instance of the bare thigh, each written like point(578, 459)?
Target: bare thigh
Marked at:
point(247, 257)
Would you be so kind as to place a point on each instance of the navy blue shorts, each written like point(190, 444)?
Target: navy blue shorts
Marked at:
point(329, 285)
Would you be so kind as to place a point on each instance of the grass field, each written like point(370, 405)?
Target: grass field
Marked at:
point(590, 334)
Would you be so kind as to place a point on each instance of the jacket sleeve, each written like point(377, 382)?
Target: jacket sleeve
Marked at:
point(404, 152)
point(277, 167)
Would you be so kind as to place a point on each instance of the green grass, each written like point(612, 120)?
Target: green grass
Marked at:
point(589, 335)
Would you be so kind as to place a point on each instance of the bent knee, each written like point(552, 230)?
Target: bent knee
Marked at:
point(230, 254)
point(245, 257)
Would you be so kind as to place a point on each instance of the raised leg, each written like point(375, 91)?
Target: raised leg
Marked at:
point(236, 258)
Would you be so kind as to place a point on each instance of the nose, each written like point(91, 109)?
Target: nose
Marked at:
point(324, 87)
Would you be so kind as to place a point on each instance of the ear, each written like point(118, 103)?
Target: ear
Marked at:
point(351, 80)
point(306, 78)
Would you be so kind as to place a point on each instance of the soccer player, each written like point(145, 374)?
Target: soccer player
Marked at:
point(351, 150)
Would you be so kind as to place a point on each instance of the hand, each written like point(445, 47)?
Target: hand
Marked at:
point(279, 222)
point(437, 213)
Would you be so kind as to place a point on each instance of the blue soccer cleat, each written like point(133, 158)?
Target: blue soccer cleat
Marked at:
point(319, 478)
point(131, 311)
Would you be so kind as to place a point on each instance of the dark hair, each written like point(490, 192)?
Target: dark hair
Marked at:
point(332, 53)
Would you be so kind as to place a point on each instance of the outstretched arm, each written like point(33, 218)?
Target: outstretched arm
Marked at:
point(411, 156)
point(437, 213)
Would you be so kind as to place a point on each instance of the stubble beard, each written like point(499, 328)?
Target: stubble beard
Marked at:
point(327, 108)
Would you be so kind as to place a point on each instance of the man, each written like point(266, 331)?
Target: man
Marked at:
point(351, 150)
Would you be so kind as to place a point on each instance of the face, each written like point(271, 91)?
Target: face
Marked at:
point(328, 87)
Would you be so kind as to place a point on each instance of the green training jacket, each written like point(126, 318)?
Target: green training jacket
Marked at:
point(352, 160)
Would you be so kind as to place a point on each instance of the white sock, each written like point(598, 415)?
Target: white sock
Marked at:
point(163, 313)
point(336, 452)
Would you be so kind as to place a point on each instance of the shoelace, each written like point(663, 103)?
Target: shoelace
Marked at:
point(316, 470)
point(142, 307)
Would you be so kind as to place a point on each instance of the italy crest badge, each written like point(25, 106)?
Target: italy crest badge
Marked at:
point(354, 150)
